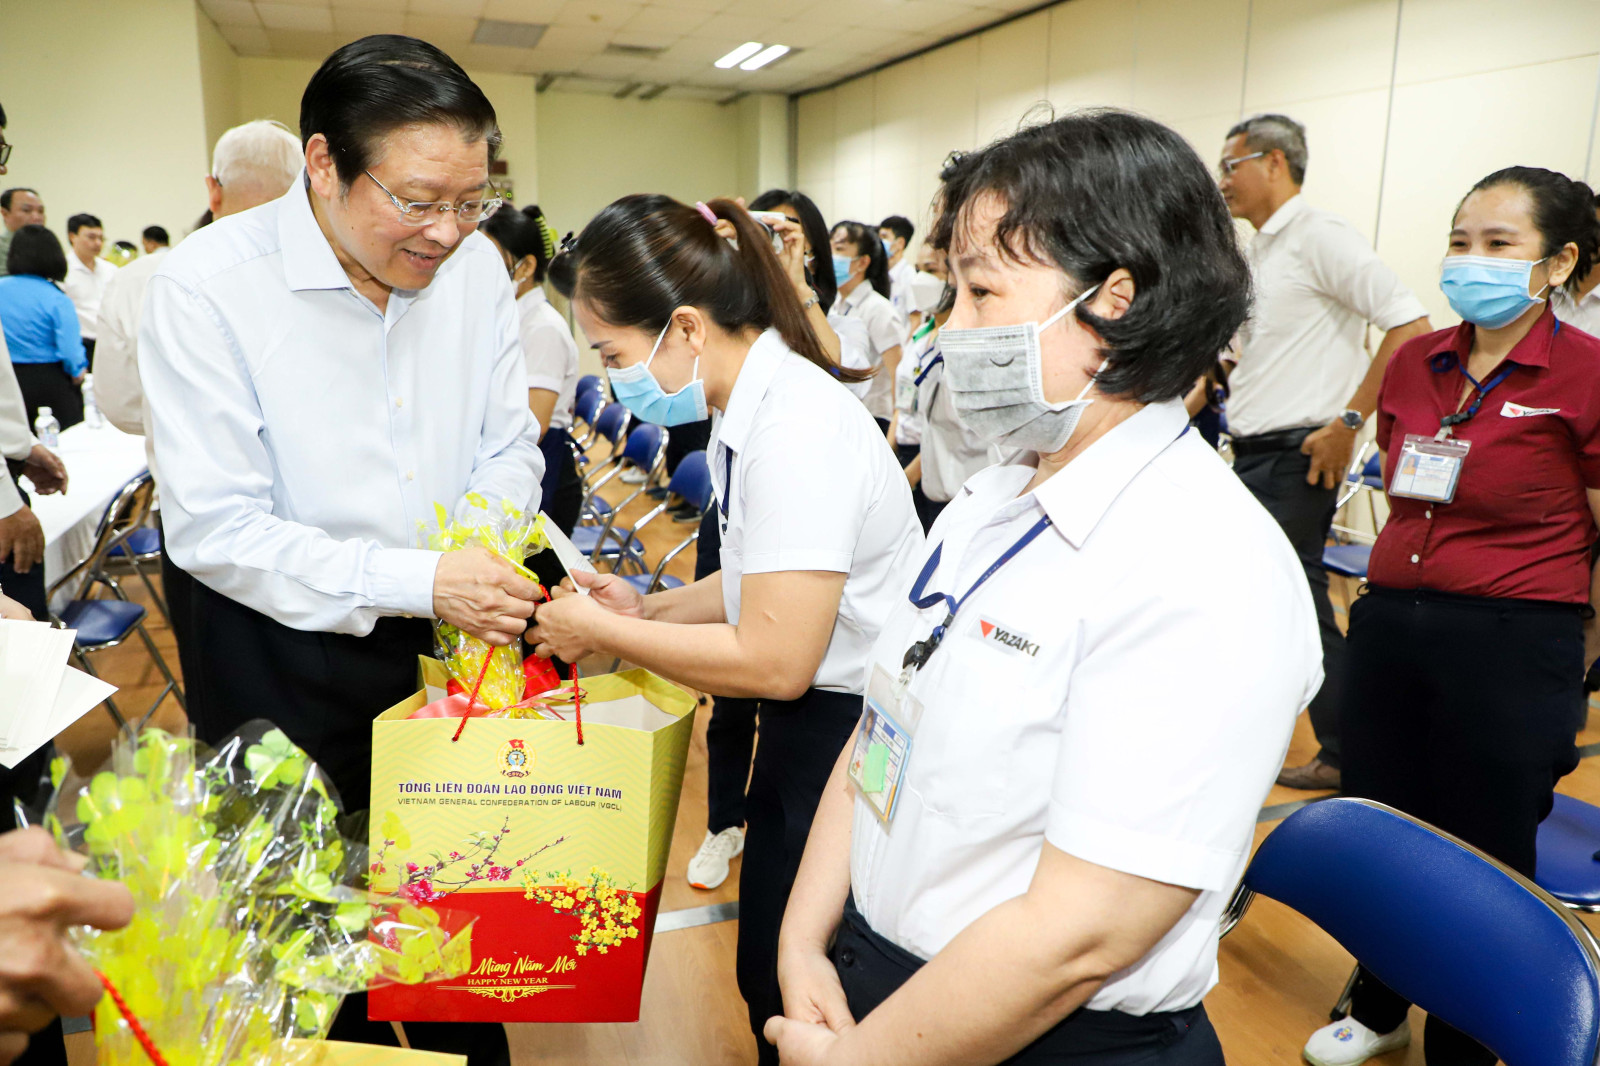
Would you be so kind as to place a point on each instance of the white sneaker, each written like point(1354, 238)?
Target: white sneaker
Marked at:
point(709, 867)
point(1347, 1042)
point(634, 476)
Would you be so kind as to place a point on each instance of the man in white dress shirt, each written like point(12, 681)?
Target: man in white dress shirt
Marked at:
point(896, 232)
point(1304, 385)
point(321, 371)
point(87, 276)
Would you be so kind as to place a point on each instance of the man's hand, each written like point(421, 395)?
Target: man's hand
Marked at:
point(480, 593)
point(46, 470)
point(41, 975)
point(1330, 449)
point(801, 1043)
point(21, 540)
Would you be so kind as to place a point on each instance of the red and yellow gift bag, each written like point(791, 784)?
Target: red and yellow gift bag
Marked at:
point(558, 848)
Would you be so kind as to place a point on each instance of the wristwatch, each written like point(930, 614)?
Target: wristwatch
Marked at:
point(809, 304)
point(1352, 420)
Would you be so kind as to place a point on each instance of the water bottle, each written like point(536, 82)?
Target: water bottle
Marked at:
point(91, 411)
point(47, 429)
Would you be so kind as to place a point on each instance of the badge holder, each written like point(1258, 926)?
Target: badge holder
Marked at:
point(882, 749)
point(1429, 468)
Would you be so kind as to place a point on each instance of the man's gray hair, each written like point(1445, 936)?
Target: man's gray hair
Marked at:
point(262, 153)
point(1266, 133)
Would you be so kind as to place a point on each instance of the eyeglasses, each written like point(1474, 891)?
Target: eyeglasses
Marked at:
point(422, 213)
point(5, 152)
point(1228, 166)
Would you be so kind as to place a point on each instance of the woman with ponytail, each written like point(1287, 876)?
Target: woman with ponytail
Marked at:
point(692, 311)
point(1467, 652)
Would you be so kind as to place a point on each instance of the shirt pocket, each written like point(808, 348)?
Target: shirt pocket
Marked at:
point(968, 760)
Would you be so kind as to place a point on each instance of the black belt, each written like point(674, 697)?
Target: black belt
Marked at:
point(1279, 440)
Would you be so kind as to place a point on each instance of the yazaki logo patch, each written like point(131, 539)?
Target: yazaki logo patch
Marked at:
point(991, 632)
point(1516, 410)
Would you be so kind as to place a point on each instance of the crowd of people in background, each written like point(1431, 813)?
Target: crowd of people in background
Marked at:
point(848, 386)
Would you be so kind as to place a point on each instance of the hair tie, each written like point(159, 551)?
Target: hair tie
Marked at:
point(706, 213)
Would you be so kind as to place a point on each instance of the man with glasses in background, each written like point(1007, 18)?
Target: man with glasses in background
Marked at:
point(320, 372)
point(1304, 385)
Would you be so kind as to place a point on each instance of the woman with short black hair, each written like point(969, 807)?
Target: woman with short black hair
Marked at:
point(1468, 647)
point(1068, 818)
point(41, 326)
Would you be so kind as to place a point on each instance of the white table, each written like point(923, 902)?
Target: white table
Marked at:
point(99, 462)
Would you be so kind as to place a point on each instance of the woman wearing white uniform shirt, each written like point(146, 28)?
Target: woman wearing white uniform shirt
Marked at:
point(550, 353)
point(1075, 809)
point(816, 520)
point(861, 269)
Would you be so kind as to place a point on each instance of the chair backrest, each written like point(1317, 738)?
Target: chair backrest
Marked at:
point(1444, 925)
point(129, 510)
point(644, 445)
point(611, 422)
point(1372, 467)
point(588, 405)
point(588, 383)
point(692, 480)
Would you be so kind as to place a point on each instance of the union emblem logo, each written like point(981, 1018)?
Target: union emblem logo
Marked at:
point(515, 759)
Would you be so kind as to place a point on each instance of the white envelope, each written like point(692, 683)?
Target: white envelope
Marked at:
point(571, 558)
point(40, 695)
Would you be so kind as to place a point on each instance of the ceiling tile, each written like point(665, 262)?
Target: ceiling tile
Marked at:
point(546, 60)
point(537, 11)
point(397, 6)
point(573, 39)
point(807, 33)
point(307, 3)
point(276, 16)
point(231, 12)
point(660, 19)
point(445, 31)
point(918, 16)
point(303, 44)
point(489, 57)
point(471, 9)
point(740, 28)
point(247, 40)
point(363, 23)
point(597, 14)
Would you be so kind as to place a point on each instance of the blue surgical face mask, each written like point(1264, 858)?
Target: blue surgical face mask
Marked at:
point(841, 268)
point(1488, 291)
point(887, 249)
point(638, 390)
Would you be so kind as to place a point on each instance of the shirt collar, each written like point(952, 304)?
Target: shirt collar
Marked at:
point(1078, 496)
point(1531, 350)
point(1287, 212)
point(858, 295)
point(308, 259)
point(533, 297)
point(750, 387)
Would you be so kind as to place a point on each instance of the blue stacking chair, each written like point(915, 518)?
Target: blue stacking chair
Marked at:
point(691, 482)
point(1568, 864)
point(611, 424)
point(104, 624)
point(1347, 560)
point(645, 449)
point(138, 552)
point(588, 383)
point(1457, 933)
point(586, 408)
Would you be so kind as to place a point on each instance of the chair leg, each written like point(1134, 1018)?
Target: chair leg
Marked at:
point(172, 685)
point(156, 597)
point(110, 706)
point(1341, 1009)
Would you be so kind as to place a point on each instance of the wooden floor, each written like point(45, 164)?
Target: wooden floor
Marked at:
point(1280, 974)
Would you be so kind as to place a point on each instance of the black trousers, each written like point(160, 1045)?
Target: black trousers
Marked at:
point(1278, 480)
point(1460, 711)
point(49, 385)
point(800, 741)
point(177, 586)
point(731, 733)
point(561, 490)
point(693, 437)
point(872, 968)
point(88, 352)
point(322, 690)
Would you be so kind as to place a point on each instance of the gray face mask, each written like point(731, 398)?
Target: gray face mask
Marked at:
point(996, 381)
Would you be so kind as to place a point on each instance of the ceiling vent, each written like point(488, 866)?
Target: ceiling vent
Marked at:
point(508, 34)
point(637, 51)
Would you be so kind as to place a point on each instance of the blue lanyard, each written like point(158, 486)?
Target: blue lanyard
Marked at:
point(1448, 422)
point(927, 368)
point(727, 481)
point(919, 653)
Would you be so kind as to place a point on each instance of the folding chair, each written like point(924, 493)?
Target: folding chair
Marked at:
point(1363, 477)
point(588, 383)
point(692, 483)
point(141, 550)
point(586, 408)
point(646, 450)
point(1455, 932)
point(104, 624)
point(1568, 864)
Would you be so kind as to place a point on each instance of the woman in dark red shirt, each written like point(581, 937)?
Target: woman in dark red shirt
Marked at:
point(1467, 649)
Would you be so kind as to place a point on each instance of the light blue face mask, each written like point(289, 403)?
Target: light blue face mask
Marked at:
point(841, 268)
point(638, 390)
point(887, 250)
point(1488, 291)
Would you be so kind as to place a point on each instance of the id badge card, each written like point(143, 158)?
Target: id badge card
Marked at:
point(1428, 468)
point(905, 394)
point(882, 750)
